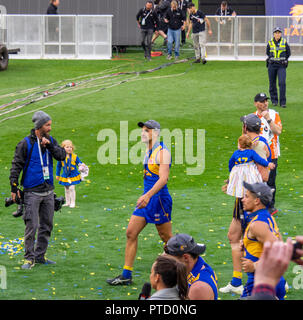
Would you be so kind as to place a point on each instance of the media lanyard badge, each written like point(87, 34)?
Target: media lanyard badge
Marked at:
point(45, 169)
point(45, 173)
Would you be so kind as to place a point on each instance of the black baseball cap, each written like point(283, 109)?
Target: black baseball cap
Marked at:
point(190, 5)
point(183, 243)
point(151, 124)
point(260, 97)
point(262, 191)
point(252, 121)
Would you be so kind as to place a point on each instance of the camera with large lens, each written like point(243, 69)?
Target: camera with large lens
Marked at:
point(59, 202)
point(19, 201)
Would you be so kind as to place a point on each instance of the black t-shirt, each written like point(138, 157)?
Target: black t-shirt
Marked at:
point(147, 18)
point(175, 18)
point(52, 9)
point(227, 12)
point(198, 21)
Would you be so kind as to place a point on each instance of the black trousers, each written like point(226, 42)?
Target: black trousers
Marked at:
point(183, 36)
point(272, 182)
point(146, 41)
point(277, 71)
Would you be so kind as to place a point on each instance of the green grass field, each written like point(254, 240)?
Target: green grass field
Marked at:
point(88, 242)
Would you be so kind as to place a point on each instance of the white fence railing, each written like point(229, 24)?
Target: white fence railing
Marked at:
point(246, 37)
point(58, 36)
point(90, 37)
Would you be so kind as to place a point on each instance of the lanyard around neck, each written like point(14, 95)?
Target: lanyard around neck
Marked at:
point(40, 154)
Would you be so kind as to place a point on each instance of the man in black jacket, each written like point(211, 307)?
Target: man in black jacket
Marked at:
point(176, 22)
point(148, 22)
point(53, 7)
point(34, 157)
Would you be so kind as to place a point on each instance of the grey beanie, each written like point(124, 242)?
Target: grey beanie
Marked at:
point(40, 118)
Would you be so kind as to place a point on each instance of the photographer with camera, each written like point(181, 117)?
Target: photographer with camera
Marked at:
point(34, 157)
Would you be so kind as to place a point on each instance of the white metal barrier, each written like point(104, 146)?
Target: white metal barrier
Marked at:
point(90, 37)
point(246, 37)
point(59, 36)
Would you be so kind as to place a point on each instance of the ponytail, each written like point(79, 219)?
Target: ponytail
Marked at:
point(173, 273)
point(182, 281)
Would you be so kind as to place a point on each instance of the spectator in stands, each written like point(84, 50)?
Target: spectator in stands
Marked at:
point(53, 7)
point(225, 10)
point(226, 30)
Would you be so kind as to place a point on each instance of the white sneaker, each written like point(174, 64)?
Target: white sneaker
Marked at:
point(231, 289)
point(286, 286)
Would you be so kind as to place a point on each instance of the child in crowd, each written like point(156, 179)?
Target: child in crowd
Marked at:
point(70, 176)
point(242, 167)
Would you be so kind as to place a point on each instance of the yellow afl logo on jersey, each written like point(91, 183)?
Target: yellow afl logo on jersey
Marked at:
point(191, 278)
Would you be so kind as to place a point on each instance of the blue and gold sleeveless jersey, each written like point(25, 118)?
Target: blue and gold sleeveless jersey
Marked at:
point(252, 247)
point(253, 250)
point(204, 273)
point(151, 167)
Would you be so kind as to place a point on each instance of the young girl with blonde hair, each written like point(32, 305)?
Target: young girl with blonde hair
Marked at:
point(70, 174)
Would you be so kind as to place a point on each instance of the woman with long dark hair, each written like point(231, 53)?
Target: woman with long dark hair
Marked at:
point(169, 278)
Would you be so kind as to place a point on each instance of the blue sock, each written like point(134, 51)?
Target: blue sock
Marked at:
point(126, 273)
point(236, 282)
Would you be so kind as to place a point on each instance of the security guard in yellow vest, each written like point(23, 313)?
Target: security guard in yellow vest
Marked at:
point(278, 52)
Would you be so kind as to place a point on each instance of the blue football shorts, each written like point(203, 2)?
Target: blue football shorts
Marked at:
point(158, 210)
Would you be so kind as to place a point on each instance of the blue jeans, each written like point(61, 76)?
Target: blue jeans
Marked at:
point(173, 36)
